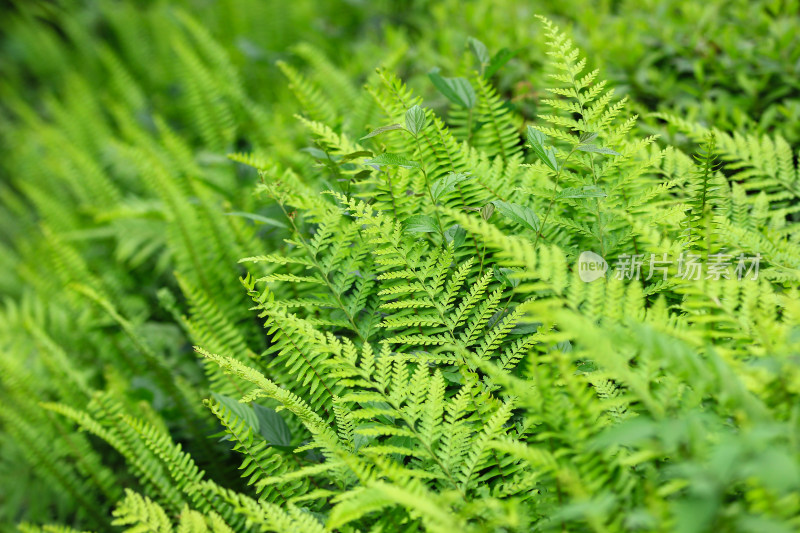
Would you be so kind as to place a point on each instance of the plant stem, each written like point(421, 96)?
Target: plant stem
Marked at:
point(540, 233)
point(597, 209)
point(469, 127)
point(428, 187)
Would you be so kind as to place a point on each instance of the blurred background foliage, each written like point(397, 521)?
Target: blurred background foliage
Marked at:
point(116, 117)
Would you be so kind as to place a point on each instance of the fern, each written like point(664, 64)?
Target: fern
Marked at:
point(412, 343)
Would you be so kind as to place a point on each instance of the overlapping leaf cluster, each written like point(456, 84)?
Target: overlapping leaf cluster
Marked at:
point(408, 345)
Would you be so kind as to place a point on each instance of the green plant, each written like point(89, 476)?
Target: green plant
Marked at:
point(430, 357)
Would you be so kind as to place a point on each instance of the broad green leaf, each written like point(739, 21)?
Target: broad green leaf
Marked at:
point(546, 154)
point(257, 218)
point(361, 175)
point(453, 377)
point(587, 191)
point(487, 211)
point(415, 120)
point(457, 90)
point(392, 160)
point(588, 137)
point(402, 441)
point(382, 129)
point(456, 234)
point(317, 153)
point(500, 58)
point(480, 52)
point(240, 410)
point(505, 276)
point(356, 155)
point(525, 328)
point(421, 224)
point(272, 426)
point(596, 149)
point(446, 184)
point(519, 214)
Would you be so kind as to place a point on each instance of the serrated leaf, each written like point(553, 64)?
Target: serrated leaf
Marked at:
point(455, 234)
point(596, 149)
point(272, 426)
point(392, 160)
point(502, 57)
point(420, 224)
point(382, 129)
point(519, 214)
point(546, 154)
point(241, 410)
point(587, 191)
point(588, 137)
point(415, 120)
point(457, 90)
point(480, 51)
point(446, 184)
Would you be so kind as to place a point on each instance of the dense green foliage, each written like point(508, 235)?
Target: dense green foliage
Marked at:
point(314, 266)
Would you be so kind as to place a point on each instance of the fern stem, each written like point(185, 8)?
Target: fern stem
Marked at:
point(469, 127)
point(91, 473)
point(483, 256)
point(453, 169)
point(540, 233)
point(430, 451)
point(597, 208)
point(313, 257)
point(428, 187)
